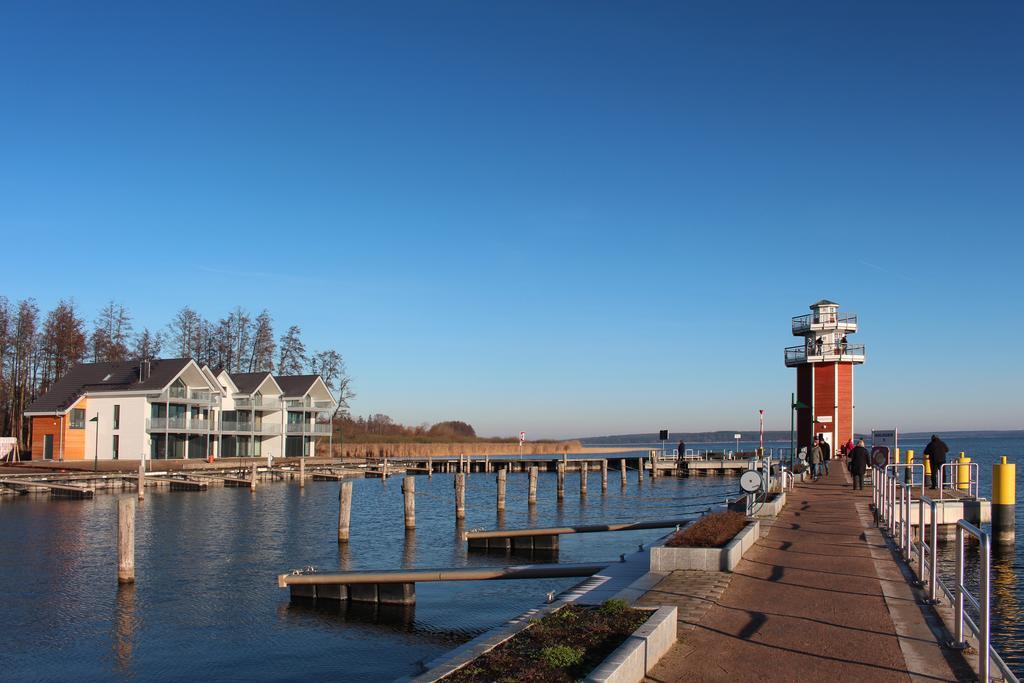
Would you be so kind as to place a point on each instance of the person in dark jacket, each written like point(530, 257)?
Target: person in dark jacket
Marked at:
point(936, 451)
point(682, 449)
point(826, 452)
point(859, 458)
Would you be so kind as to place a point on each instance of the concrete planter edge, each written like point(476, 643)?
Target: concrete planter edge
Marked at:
point(725, 559)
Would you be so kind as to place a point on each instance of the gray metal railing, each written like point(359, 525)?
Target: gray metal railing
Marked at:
point(973, 472)
point(840, 351)
point(803, 323)
point(892, 498)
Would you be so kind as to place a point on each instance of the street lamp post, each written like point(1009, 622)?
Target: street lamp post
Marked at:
point(96, 448)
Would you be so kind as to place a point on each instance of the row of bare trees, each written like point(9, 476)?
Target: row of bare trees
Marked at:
point(36, 351)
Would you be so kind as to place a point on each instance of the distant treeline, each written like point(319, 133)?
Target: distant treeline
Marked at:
point(38, 349)
point(381, 428)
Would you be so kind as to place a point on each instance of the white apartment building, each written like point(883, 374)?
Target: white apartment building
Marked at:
point(173, 408)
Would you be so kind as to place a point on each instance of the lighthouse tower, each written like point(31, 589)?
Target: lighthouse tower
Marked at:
point(824, 373)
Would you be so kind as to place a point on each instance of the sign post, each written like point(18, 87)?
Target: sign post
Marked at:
point(885, 444)
point(737, 437)
point(762, 430)
point(522, 438)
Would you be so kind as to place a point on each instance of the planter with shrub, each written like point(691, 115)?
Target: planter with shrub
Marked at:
point(715, 542)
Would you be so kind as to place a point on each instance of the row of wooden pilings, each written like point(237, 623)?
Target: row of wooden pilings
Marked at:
point(127, 505)
point(409, 493)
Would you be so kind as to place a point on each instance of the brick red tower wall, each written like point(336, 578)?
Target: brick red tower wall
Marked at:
point(845, 431)
point(805, 395)
point(824, 396)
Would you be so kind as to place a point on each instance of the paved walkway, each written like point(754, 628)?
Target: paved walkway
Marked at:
point(819, 598)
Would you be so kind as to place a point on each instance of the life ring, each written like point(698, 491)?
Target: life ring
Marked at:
point(880, 455)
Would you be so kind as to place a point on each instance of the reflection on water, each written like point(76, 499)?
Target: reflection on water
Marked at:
point(124, 628)
point(206, 603)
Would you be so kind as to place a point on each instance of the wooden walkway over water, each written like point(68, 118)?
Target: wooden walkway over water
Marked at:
point(819, 598)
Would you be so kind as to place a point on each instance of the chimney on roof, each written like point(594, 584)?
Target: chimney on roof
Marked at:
point(144, 370)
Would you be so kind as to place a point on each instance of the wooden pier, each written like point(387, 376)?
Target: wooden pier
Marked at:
point(398, 586)
point(55, 489)
point(547, 538)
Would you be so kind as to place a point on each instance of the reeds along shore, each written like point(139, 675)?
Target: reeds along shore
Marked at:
point(375, 451)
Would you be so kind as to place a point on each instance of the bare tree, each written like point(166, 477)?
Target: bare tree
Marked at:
point(23, 342)
point(263, 346)
point(111, 333)
point(62, 343)
point(147, 345)
point(292, 360)
point(331, 367)
point(185, 333)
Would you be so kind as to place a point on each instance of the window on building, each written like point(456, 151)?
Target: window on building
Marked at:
point(115, 445)
point(117, 417)
point(78, 418)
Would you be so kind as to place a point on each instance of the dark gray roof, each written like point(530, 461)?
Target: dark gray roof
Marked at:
point(295, 385)
point(99, 377)
point(824, 302)
point(248, 382)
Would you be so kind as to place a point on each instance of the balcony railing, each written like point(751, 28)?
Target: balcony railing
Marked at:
point(307, 428)
point(797, 355)
point(308, 404)
point(824, 321)
point(183, 394)
point(257, 403)
point(164, 424)
point(178, 424)
point(229, 426)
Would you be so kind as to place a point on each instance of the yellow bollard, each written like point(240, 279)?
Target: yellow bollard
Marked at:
point(910, 470)
point(1004, 499)
point(927, 467)
point(963, 472)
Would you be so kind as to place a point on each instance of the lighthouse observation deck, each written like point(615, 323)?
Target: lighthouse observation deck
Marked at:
point(824, 353)
point(825, 320)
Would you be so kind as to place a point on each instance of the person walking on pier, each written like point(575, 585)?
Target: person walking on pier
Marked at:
point(826, 452)
point(859, 458)
point(936, 451)
point(815, 460)
point(682, 449)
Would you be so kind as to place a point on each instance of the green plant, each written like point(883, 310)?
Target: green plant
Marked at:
point(613, 606)
point(562, 656)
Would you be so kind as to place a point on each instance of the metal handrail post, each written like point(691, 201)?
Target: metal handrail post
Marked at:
point(920, 538)
point(958, 609)
point(907, 517)
point(933, 577)
point(983, 609)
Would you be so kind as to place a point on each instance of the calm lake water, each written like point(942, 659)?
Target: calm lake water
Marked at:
point(206, 604)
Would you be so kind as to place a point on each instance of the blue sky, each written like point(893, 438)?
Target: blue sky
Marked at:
point(567, 218)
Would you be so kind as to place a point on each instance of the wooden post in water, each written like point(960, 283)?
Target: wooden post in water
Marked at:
point(430, 467)
point(532, 491)
point(126, 539)
point(604, 476)
point(560, 479)
point(622, 471)
point(583, 478)
point(142, 479)
point(252, 479)
point(654, 464)
point(502, 477)
point(344, 510)
point(409, 492)
point(302, 473)
point(460, 496)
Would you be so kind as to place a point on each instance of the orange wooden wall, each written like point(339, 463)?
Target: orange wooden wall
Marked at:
point(74, 439)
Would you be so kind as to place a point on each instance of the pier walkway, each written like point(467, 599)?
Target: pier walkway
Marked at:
point(819, 598)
